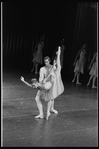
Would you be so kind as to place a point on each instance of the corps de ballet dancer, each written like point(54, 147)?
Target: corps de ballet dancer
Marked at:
point(37, 56)
point(79, 63)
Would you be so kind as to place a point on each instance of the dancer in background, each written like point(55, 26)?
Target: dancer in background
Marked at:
point(52, 74)
point(93, 71)
point(37, 55)
point(79, 63)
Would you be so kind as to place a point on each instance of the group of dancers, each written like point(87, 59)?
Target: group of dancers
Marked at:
point(50, 85)
point(80, 62)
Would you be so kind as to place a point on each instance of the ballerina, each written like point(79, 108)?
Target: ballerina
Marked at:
point(79, 64)
point(93, 71)
point(37, 56)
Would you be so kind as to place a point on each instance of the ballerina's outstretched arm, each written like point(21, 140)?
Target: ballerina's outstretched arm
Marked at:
point(33, 85)
point(22, 79)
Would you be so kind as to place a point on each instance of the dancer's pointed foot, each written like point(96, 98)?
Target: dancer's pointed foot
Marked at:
point(78, 83)
point(48, 114)
point(94, 86)
point(39, 116)
point(54, 111)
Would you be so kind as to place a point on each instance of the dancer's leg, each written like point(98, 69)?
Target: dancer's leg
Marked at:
point(78, 75)
point(40, 107)
point(93, 84)
point(52, 108)
point(90, 80)
point(75, 76)
point(48, 109)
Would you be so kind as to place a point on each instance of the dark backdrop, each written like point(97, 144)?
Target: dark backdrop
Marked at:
point(24, 24)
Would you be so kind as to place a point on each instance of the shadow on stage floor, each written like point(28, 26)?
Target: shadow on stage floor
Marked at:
point(76, 124)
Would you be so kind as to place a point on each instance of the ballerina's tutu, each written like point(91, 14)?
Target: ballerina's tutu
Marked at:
point(47, 85)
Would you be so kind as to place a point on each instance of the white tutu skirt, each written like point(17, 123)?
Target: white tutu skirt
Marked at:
point(80, 64)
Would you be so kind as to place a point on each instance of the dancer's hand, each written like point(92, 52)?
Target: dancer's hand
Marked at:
point(22, 78)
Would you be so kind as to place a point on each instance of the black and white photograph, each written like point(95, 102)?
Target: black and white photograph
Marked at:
point(49, 74)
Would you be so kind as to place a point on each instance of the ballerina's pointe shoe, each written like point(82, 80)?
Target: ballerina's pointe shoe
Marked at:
point(48, 114)
point(39, 116)
point(54, 111)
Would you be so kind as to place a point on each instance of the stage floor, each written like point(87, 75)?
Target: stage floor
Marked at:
point(76, 124)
